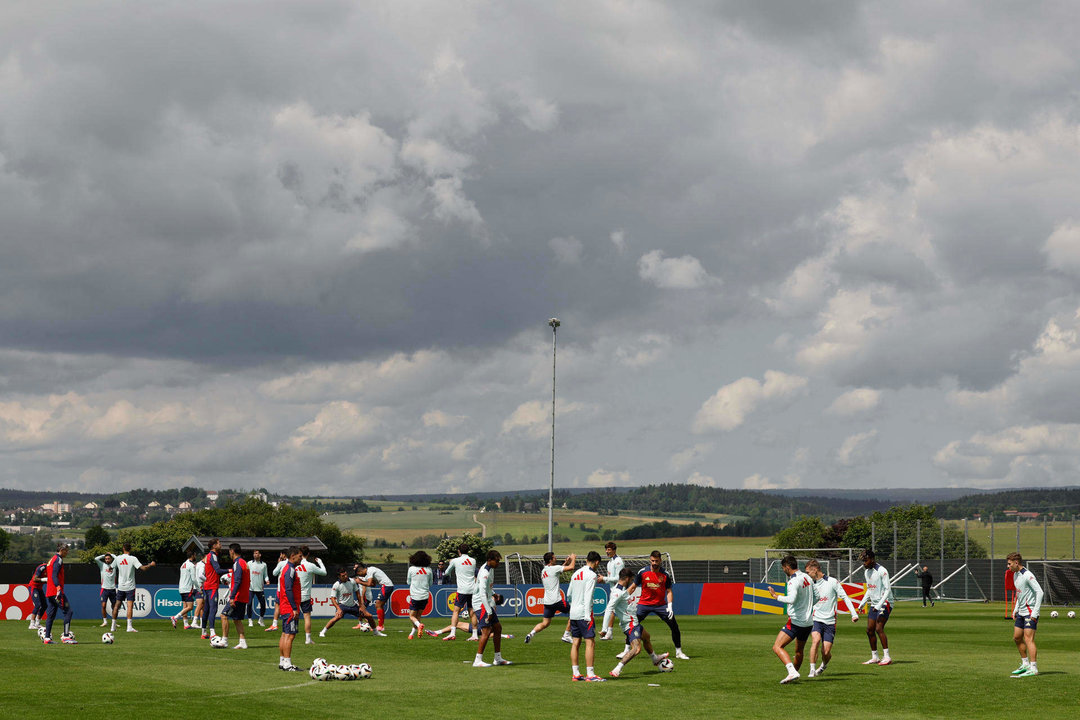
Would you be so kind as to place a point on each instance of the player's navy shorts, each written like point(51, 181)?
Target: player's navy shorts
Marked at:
point(125, 595)
point(384, 593)
point(1026, 623)
point(237, 611)
point(108, 595)
point(553, 609)
point(305, 607)
point(882, 616)
point(462, 601)
point(827, 631)
point(353, 610)
point(634, 633)
point(799, 632)
point(643, 611)
point(583, 628)
point(189, 596)
point(418, 605)
point(486, 619)
point(289, 624)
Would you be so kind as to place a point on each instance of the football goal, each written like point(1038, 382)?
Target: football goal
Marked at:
point(836, 562)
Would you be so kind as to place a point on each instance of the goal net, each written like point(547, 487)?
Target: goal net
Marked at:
point(1060, 580)
point(526, 569)
point(836, 562)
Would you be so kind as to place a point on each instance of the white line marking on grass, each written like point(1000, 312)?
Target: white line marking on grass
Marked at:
point(262, 690)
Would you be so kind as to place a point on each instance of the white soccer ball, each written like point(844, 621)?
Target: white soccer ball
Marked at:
point(666, 665)
point(313, 672)
point(354, 671)
point(342, 673)
point(365, 627)
point(323, 674)
point(365, 670)
point(1053, 613)
point(41, 632)
point(1071, 614)
point(107, 638)
point(218, 642)
point(320, 662)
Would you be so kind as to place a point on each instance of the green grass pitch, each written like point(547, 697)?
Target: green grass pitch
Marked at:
point(952, 661)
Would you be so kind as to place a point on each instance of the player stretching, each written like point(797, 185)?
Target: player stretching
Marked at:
point(239, 596)
point(636, 636)
point(259, 580)
point(126, 564)
point(345, 597)
point(108, 586)
point(553, 601)
point(658, 599)
point(1029, 596)
point(37, 594)
point(580, 594)
point(879, 595)
point(800, 610)
point(463, 569)
point(374, 576)
point(419, 580)
point(288, 596)
point(212, 572)
point(307, 571)
point(827, 594)
point(484, 602)
point(55, 597)
point(187, 589)
point(615, 565)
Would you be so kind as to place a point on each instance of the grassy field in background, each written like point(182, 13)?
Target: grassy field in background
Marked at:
point(952, 661)
point(1059, 538)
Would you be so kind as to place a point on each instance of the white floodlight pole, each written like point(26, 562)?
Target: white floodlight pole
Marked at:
point(554, 323)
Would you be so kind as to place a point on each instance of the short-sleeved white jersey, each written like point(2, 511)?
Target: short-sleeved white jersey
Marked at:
point(828, 591)
point(258, 575)
point(126, 565)
point(419, 579)
point(200, 574)
point(463, 568)
point(374, 573)
point(549, 578)
point(878, 587)
point(187, 577)
point(306, 571)
point(345, 593)
point(580, 593)
point(621, 604)
point(108, 572)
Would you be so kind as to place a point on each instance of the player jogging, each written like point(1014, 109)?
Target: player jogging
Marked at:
point(37, 594)
point(126, 564)
point(800, 610)
point(828, 592)
point(374, 576)
point(288, 596)
point(553, 600)
point(259, 580)
point(636, 636)
point(580, 594)
point(239, 596)
point(344, 596)
point(108, 586)
point(186, 588)
point(615, 565)
point(463, 569)
point(55, 597)
point(419, 580)
point(212, 572)
point(1029, 596)
point(658, 599)
point(879, 596)
point(484, 602)
point(307, 571)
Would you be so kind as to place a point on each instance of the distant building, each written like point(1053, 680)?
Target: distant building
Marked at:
point(154, 504)
point(90, 506)
point(212, 495)
point(185, 505)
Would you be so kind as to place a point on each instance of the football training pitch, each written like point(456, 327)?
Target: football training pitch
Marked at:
point(951, 661)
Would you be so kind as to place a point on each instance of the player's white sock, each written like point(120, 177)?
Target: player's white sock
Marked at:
point(654, 657)
point(281, 661)
point(307, 636)
point(251, 623)
point(1024, 662)
point(812, 669)
point(791, 669)
point(873, 655)
point(498, 656)
point(618, 668)
point(575, 670)
point(479, 658)
point(625, 649)
point(1033, 666)
point(886, 653)
point(590, 671)
point(242, 644)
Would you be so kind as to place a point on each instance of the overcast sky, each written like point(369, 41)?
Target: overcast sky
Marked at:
point(313, 246)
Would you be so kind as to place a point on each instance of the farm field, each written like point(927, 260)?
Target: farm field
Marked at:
point(952, 661)
point(1059, 538)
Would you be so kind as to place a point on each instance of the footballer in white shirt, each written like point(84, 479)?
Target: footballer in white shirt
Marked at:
point(800, 609)
point(582, 626)
point(1026, 609)
point(419, 580)
point(828, 591)
point(880, 598)
point(463, 570)
point(484, 604)
point(553, 600)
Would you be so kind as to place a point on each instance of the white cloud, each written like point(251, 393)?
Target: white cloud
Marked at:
point(701, 480)
point(568, 250)
point(336, 423)
point(437, 418)
point(646, 350)
point(534, 417)
point(618, 239)
point(733, 403)
point(690, 455)
point(607, 478)
point(681, 273)
point(1062, 248)
point(857, 449)
point(855, 402)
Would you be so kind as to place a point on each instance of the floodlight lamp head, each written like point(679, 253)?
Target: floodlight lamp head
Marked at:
point(554, 322)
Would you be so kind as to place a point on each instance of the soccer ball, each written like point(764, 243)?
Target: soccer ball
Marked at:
point(1053, 613)
point(666, 665)
point(218, 642)
point(321, 662)
point(365, 670)
point(1071, 614)
point(107, 638)
point(41, 633)
point(365, 627)
point(313, 671)
point(354, 671)
point(342, 673)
